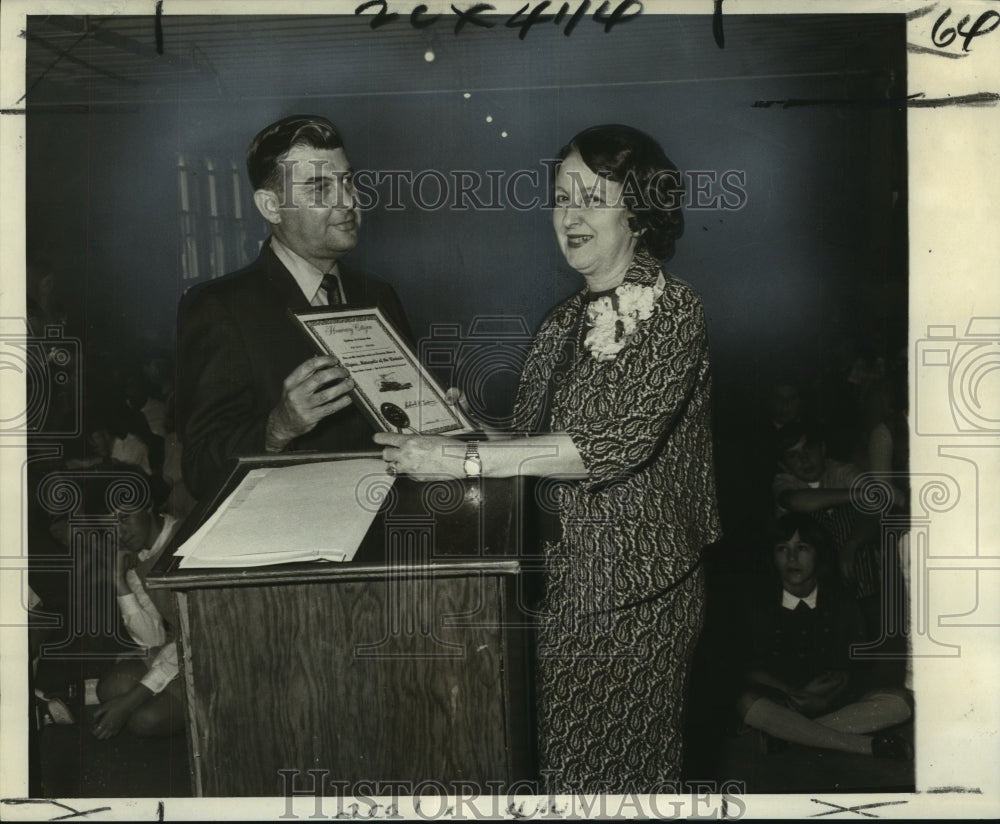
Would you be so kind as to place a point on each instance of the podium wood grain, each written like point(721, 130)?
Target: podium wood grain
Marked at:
point(407, 664)
point(363, 679)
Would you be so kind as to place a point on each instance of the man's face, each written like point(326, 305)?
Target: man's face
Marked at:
point(317, 216)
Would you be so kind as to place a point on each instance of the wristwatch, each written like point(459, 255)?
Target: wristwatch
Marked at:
point(473, 463)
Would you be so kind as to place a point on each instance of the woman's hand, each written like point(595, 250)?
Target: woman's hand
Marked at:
point(425, 457)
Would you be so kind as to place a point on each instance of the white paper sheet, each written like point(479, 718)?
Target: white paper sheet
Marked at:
point(278, 515)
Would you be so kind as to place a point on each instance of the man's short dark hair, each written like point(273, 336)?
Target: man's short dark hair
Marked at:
point(273, 143)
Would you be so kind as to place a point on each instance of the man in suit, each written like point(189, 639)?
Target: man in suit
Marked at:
point(249, 380)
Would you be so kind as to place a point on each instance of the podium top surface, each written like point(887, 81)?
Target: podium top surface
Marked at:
point(434, 528)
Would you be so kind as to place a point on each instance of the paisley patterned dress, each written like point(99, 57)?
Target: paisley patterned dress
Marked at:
point(624, 591)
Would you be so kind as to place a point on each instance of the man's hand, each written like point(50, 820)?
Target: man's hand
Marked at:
point(316, 388)
point(113, 714)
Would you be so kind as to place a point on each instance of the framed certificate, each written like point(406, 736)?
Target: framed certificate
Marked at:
point(392, 387)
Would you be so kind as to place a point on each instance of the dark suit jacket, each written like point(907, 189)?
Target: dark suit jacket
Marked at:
point(236, 345)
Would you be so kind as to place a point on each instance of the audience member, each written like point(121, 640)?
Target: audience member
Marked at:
point(120, 437)
point(144, 694)
point(138, 397)
point(843, 394)
point(55, 375)
point(745, 450)
point(803, 685)
point(784, 405)
point(809, 482)
point(43, 302)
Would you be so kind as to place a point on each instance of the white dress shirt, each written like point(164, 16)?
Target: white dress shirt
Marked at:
point(143, 620)
point(307, 276)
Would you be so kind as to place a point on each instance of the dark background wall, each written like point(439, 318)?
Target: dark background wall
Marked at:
point(809, 268)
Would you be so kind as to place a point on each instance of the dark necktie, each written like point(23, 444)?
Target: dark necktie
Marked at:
point(802, 606)
point(331, 286)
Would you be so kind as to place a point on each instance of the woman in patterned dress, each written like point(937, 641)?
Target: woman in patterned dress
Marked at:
point(615, 397)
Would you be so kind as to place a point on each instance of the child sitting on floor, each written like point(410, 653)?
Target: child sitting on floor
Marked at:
point(803, 685)
point(144, 694)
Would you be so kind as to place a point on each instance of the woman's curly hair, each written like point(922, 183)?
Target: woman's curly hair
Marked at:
point(652, 185)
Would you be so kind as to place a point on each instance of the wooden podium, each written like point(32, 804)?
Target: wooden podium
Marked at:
point(409, 663)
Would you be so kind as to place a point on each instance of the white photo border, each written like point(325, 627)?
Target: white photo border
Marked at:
point(954, 186)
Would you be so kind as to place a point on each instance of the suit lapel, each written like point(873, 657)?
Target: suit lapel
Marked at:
point(355, 288)
point(281, 280)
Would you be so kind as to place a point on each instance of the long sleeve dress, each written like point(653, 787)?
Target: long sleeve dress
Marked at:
point(623, 603)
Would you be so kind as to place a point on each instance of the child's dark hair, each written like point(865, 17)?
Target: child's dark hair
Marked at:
point(812, 533)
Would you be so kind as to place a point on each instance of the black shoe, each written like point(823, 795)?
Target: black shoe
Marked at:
point(886, 745)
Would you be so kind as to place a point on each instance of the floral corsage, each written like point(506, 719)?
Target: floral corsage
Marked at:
point(614, 319)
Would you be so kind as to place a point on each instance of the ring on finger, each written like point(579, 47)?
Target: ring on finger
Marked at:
point(391, 469)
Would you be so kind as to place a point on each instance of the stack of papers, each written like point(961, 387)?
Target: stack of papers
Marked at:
point(288, 514)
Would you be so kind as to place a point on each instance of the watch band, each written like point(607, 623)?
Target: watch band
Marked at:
point(473, 464)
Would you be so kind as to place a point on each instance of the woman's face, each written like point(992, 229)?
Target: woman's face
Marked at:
point(796, 563)
point(591, 224)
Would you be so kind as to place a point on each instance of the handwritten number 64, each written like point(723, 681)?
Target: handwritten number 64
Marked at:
point(944, 37)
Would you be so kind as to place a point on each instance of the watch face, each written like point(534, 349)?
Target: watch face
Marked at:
point(473, 466)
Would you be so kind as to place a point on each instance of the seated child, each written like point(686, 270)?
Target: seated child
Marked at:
point(143, 694)
point(802, 685)
point(810, 483)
